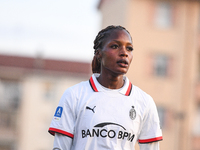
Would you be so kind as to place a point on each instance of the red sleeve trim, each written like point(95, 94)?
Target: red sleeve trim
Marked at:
point(52, 131)
point(151, 140)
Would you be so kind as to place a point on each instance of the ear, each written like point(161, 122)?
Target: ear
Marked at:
point(98, 54)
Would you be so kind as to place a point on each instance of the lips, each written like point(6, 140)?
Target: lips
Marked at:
point(122, 63)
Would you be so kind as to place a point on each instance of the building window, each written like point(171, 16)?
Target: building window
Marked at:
point(163, 15)
point(10, 94)
point(6, 146)
point(49, 90)
point(161, 64)
point(196, 129)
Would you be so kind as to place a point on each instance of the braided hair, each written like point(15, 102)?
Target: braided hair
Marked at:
point(98, 44)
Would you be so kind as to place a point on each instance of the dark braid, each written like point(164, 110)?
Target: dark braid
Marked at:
point(104, 33)
point(98, 43)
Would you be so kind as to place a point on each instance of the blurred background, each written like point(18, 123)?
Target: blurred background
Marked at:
point(46, 47)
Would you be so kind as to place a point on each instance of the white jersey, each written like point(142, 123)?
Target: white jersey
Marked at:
point(101, 119)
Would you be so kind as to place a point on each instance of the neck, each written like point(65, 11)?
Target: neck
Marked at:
point(111, 82)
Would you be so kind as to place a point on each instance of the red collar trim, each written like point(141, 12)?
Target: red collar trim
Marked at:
point(93, 85)
point(128, 92)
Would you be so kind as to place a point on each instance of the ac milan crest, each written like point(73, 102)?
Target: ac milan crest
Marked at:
point(132, 113)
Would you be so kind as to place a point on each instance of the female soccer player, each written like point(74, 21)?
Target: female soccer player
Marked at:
point(107, 112)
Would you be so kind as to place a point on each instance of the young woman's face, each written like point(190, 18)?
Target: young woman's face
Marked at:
point(116, 53)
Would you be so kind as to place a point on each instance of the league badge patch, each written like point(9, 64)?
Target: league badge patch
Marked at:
point(58, 113)
point(132, 113)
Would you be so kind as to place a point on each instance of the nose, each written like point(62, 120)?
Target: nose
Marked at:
point(123, 52)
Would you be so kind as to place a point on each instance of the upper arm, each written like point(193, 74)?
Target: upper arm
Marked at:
point(63, 121)
point(62, 142)
point(150, 130)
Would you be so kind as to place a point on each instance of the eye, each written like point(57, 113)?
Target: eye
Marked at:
point(114, 46)
point(130, 48)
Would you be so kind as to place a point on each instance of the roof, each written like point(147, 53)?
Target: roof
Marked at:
point(44, 64)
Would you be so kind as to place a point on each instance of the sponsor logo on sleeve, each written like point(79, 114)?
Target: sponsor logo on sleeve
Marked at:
point(58, 113)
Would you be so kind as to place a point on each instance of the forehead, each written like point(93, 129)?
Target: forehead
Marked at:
point(118, 34)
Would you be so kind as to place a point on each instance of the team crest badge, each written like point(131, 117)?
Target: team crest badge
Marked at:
point(132, 113)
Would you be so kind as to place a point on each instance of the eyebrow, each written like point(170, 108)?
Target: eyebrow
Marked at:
point(120, 42)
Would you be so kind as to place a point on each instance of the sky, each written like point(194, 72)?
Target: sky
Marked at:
point(61, 29)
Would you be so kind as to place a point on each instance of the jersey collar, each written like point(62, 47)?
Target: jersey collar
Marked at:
point(97, 87)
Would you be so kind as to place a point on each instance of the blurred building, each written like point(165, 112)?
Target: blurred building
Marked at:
point(166, 61)
point(30, 89)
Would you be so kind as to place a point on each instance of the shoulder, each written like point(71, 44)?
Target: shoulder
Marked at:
point(142, 96)
point(73, 96)
point(146, 104)
point(139, 93)
point(77, 88)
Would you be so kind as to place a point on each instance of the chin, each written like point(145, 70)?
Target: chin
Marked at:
point(116, 71)
point(122, 72)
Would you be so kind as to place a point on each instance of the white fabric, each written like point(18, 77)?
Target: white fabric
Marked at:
point(107, 119)
point(62, 142)
point(149, 146)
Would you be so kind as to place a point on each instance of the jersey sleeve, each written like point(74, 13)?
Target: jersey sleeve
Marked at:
point(64, 118)
point(150, 130)
point(62, 142)
point(150, 146)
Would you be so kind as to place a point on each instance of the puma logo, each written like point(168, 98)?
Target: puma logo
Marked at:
point(92, 109)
